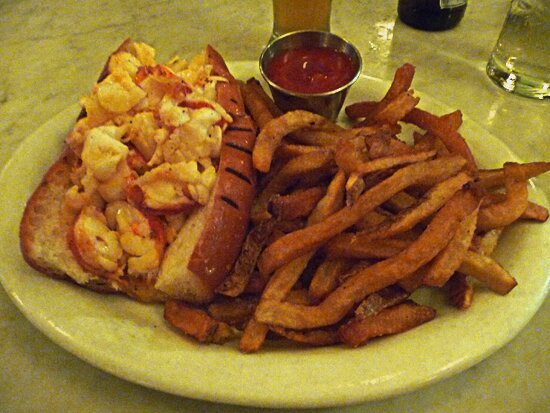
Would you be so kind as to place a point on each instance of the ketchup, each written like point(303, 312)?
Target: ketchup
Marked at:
point(311, 69)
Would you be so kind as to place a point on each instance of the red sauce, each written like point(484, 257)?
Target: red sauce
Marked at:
point(311, 70)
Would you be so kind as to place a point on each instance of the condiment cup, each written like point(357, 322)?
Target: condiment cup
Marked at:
point(328, 103)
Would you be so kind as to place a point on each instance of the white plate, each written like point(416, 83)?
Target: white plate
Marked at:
point(132, 341)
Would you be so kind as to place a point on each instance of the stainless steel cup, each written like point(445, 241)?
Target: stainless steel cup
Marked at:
point(520, 61)
point(328, 103)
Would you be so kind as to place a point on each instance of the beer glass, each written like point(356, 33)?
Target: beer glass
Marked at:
point(292, 15)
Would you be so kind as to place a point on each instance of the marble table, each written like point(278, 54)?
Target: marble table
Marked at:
point(50, 54)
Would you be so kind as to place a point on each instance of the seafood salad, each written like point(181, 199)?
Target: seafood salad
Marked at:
point(146, 151)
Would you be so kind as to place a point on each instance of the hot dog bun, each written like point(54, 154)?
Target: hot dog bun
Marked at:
point(208, 242)
point(43, 231)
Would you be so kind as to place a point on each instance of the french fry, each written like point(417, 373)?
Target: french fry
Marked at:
point(260, 91)
point(444, 130)
point(359, 245)
point(407, 219)
point(449, 259)
point(285, 277)
point(253, 336)
point(376, 178)
point(378, 146)
point(287, 151)
point(494, 178)
point(355, 185)
point(332, 201)
point(413, 281)
point(347, 245)
point(375, 277)
point(263, 109)
point(326, 277)
point(273, 132)
point(277, 288)
point(533, 211)
point(391, 161)
point(400, 201)
point(299, 242)
point(362, 109)
point(298, 295)
point(453, 119)
point(309, 337)
point(428, 141)
point(254, 86)
point(196, 323)
point(255, 104)
point(460, 292)
point(235, 312)
point(315, 163)
point(256, 284)
point(505, 212)
point(381, 140)
point(351, 154)
point(401, 83)
point(396, 109)
point(378, 301)
point(373, 219)
point(356, 267)
point(282, 228)
point(486, 243)
point(488, 271)
point(297, 204)
point(237, 280)
point(393, 320)
point(325, 138)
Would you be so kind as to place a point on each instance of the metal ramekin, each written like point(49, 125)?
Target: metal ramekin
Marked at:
point(327, 104)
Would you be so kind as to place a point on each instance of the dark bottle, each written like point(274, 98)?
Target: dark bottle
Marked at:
point(432, 15)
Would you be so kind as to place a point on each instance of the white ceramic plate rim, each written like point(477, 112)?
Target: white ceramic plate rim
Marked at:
point(131, 340)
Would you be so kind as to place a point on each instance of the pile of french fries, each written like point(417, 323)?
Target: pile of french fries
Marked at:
point(350, 221)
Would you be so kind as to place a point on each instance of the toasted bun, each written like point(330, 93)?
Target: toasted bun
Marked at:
point(210, 241)
point(175, 279)
point(43, 231)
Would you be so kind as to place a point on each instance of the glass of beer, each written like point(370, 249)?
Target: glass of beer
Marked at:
point(292, 15)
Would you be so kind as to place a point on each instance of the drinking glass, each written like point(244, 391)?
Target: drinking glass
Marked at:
point(520, 60)
point(293, 15)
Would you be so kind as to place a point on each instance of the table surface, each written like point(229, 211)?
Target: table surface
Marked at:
point(50, 54)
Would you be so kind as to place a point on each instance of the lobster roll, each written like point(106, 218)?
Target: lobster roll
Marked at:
point(151, 195)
